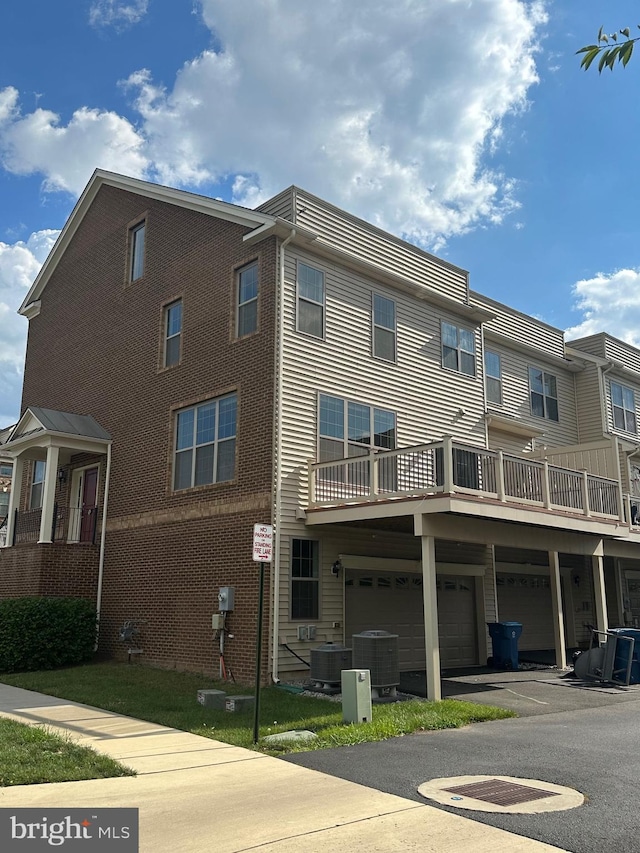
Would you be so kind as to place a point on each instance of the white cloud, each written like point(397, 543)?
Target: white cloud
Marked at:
point(111, 13)
point(387, 115)
point(67, 155)
point(392, 116)
point(610, 302)
point(19, 264)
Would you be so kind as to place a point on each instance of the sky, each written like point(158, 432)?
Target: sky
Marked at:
point(464, 126)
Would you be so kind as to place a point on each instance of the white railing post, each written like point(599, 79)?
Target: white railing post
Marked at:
point(546, 491)
point(585, 493)
point(627, 504)
point(447, 464)
point(500, 476)
point(311, 482)
point(374, 474)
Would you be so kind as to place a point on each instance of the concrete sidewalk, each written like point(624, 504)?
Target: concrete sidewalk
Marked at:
point(196, 794)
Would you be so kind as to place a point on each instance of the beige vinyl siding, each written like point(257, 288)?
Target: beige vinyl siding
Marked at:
point(623, 353)
point(589, 403)
point(361, 240)
point(516, 401)
point(594, 345)
point(280, 205)
point(599, 458)
point(509, 443)
point(520, 327)
point(426, 399)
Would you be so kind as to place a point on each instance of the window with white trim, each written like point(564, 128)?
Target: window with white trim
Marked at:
point(384, 327)
point(310, 305)
point(458, 349)
point(347, 428)
point(493, 376)
point(205, 443)
point(305, 579)
point(544, 394)
point(172, 333)
point(137, 239)
point(37, 484)
point(247, 308)
point(623, 407)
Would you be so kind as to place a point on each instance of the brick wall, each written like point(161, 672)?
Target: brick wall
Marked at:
point(95, 348)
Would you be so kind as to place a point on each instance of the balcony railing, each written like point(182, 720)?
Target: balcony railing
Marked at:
point(449, 466)
point(70, 524)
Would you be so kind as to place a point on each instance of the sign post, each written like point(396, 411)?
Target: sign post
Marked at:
point(262, 553)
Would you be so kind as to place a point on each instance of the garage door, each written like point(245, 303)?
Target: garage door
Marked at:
point(393, 602)
point(527, 599)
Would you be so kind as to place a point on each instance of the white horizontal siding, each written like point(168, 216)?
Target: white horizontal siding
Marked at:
point(516, 400)
point(521, 327)
point(509, 443)
point(594, 345)
point(363, 241)
point(280, 205)
point(589, 403)
point(624, 353)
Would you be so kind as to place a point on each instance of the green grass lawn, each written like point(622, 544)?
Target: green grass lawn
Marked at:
point(169, 698)
point(31, 754)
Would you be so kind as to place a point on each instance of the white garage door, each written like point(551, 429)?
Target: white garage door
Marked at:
point(393, 602)
point(527, 599)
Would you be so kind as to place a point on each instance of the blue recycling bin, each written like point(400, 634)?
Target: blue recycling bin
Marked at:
point(623, 651)
point(504, 640)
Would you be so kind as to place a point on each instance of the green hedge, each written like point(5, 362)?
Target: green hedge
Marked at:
point(44, 633)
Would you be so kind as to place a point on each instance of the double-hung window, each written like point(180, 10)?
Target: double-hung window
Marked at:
point(205, 443)
point(172, 333)
point(347, 428)
point(458, 349)
point(310, 307)
point(37, 484)
point(136, 260)
point(384, 328)
point(493, 376)
point(623, 408)
point(247, 308)
point(305, 579)
point(544, 394)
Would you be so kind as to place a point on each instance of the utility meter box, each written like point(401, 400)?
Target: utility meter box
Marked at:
point(356, 696)
point(225, 598)
point(217, 621)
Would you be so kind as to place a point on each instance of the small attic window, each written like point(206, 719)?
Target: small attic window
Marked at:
point(136, 266)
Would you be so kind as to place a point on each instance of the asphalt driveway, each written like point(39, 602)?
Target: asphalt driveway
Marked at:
point(595, 750)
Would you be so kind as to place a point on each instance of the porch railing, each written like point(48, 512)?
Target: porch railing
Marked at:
point(449, 466)
point(70, 524)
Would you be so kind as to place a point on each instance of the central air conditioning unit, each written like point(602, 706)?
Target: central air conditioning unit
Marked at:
point(377, 651)
point(327, 663)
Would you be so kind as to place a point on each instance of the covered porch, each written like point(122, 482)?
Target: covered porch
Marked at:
point(60, 501)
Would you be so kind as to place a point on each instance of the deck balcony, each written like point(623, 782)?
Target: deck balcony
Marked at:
point(449, 467)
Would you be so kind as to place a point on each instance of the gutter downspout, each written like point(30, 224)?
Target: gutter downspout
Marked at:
point(277, 446)
point(103, 536)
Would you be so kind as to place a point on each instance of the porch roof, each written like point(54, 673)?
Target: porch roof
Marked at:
point(39, 427)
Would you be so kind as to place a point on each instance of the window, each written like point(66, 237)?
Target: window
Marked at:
point(304, 579)
point(4, 504)
point(247, 317)
point(384, 328)
point(623, 406)
point(544, 394)
point(493, 376)
point(37, 483)
point(347, 428)
point(5, 470)
point(458, 349)
point(136, 269)
point(172, 333)
point(310, 301)
point(205, 443)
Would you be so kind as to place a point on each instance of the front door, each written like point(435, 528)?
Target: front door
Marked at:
point(88, 509)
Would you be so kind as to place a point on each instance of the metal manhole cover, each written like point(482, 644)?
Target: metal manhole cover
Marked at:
point(501, 793)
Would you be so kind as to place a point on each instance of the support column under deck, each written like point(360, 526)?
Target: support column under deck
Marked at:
point(558, 612)
point(430, 595)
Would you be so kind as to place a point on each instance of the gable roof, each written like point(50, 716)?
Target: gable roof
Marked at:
point(37, 420)
point(181, 198)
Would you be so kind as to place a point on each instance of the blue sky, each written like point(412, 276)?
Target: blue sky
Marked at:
point(463, 125)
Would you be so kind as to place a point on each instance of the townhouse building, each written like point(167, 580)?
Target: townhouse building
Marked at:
point(431, 460)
